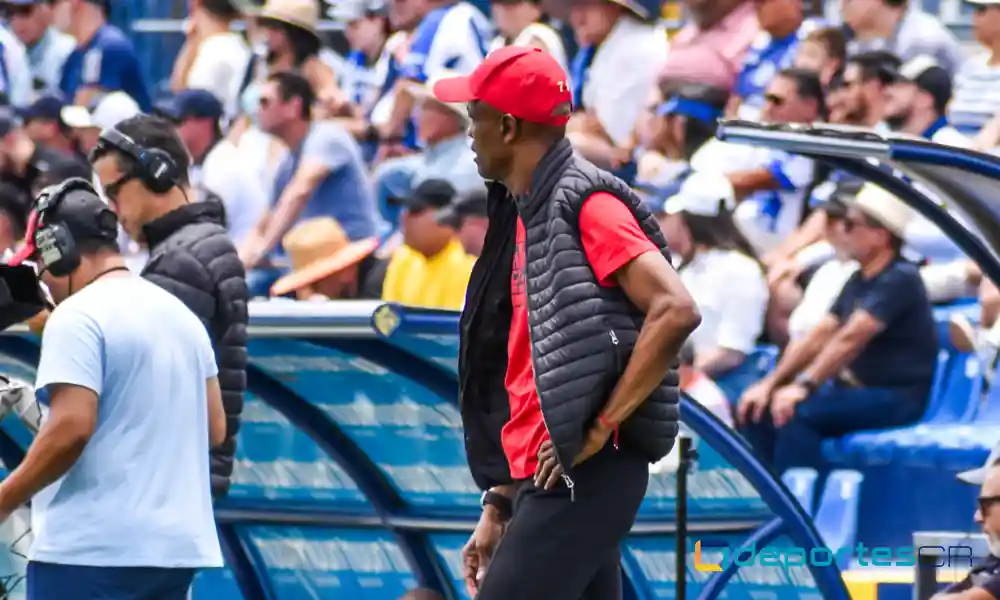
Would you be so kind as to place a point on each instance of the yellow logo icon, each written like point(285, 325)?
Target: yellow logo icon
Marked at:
point(703, 567)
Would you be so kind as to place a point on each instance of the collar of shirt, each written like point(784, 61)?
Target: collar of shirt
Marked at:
point(935, 127)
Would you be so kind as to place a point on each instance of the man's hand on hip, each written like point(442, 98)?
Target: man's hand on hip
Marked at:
point(478, 551)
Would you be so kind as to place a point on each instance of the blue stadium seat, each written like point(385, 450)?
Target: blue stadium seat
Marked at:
point(837, 515)
point(756, 365)
point(801, 482)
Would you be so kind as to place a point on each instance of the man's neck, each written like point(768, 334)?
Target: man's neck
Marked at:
point(434, 252)
point(883, 26)
point(170, 202)
point(209, 25)
point(294, 133)
point(519, 180)
point(918, 124)
point(994, 50)
point(525, 16)
point(878, 263)
point(108, 264)
point(87, 27)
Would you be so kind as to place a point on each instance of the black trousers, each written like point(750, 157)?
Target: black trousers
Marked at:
point(559, 547)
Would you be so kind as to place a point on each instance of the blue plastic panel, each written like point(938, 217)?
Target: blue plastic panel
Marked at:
point(15, 369)
point(305, 563)
point(448, 548)
point(276, 461)
point(410, 433)
point(216, 584)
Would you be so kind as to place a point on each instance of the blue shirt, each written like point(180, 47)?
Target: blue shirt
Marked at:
point(139, 495)
point(765, 58)
point(345, 193)
point(452, 37)
point(107, 61)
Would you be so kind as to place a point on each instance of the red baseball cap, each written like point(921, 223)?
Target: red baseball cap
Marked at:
point(524, 82)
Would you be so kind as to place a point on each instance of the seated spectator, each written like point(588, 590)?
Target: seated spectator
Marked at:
point(870, 362)
point(977, 83)
point(25, 164)
point(44, 124)
point(983, 581)
point(823, 51)
point(14, 209)
point(783, 26)
point(430, 269)
point(917, 100)
point(324, 175)
point(468, 217)
point(901, 28)
point(104, 59)
point(718, 268)
point(326, 265)
point(105, 110)
point(524, 23)
point(216, 171)
point(984, 340)
point(213, 57)
point(613, 73)
point(866, 78)
point(710, 48)
point(447, 153)
point(47, 47)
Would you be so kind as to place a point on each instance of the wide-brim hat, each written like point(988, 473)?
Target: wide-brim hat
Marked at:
point(884, 208)
point(301, 14)
point(425, 92)
point(318, 248)
point(978, 476)
point(560, 9)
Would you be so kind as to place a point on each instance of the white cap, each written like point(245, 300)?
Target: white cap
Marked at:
point(917, 66)
point(702, 194)
point(423, 92)
point(889, 211)
point(109, 111)
point(978, 476)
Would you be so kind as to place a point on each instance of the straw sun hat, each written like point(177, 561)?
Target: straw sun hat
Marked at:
point(317, 249)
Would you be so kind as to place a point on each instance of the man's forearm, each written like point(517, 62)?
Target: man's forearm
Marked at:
point(51, 455)
point(280, 221)
point(666, 329)
point(797, 356)
point(831, 360)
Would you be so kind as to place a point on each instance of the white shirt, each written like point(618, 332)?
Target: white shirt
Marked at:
point(977, 94)
point(731, 293)
point(819, 296)
point(452, 37)
point(219, 67)
point(543, 33)
point(139, 495)
point(224, 175)
point(19, 87)
point(624, 70)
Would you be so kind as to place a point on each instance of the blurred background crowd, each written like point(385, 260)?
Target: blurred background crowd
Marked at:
point(343, 178)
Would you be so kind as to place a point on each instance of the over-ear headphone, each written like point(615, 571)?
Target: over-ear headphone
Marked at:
point(54, 242)
point(156, 169)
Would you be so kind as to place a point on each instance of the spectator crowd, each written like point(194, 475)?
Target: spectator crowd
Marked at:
point(342, 177)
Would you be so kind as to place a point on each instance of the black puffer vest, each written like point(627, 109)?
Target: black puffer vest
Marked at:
point(582, 334)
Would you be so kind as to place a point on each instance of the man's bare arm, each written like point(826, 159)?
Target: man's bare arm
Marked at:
point(800, 354)
point(216, 412)
point(671, 315)
point(843, 347)
point(60, 442)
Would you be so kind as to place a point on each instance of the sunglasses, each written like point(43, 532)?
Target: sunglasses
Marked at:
point(112, 189)
point(852, 223)
point(774, 99)
point(985, 502)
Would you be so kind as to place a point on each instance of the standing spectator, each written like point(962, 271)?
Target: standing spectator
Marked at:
point(467, 215)
point(47, 47)
point(216, 171)
point(431, 269)
point(621, 54)
point(190, 254)
point(823, 51)
point(104, 58)
point(324, 175)
point(213, 57)
point(916, 103)
point(898, 27)
point(524, 23)
point(442, 131)
point(711, 46)
point(783, 26)
point(869, 363)
point(719, 269)
point(117, 476)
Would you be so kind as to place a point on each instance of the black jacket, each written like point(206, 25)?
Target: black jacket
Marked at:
point(192, 257)
point(582, 334)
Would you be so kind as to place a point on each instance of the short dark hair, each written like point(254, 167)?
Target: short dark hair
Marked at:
point(808, 87)
point(877, 64)
point(293, 85)
point(833, 41)
point(91, 246)
point(149, 131)
point(222, 9)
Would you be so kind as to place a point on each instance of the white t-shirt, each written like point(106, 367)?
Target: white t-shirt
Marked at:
point(623, 72)
point(223, 174)
point(219, 67)
point(766, 217)
point(731, 293)
point(139, 495)
point(541, 32)
point(819, 296)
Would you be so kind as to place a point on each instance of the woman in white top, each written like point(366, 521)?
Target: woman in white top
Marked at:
point(523, 23)
point(718, 267)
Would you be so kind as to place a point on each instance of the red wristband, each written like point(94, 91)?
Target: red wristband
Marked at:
point(609, 425)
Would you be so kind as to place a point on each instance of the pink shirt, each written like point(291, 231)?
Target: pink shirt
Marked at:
point(712, 57)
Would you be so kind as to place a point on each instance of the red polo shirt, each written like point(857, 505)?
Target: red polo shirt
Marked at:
point(611, 238)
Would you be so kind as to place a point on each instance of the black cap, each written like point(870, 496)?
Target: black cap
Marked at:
point(46, 107)
point(431, 193)
point(471, 203)
point(190, 104)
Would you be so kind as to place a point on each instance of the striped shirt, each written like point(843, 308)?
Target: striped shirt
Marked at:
point(977, 94)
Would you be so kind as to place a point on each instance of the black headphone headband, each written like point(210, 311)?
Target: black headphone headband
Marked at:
point(156, 169)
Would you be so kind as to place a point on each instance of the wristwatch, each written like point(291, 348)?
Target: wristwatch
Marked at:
point(500, 502)
point(806, 382)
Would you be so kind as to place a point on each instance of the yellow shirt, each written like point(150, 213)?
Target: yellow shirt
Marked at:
point(436, 282)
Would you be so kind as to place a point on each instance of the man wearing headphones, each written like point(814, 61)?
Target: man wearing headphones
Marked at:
point(143, 168)
point(120, 494)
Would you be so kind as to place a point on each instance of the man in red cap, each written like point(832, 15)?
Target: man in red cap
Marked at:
point(572, 318)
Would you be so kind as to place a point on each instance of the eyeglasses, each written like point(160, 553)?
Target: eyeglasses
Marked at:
point(985, 502)
point(112, 190)
point(774, 99)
